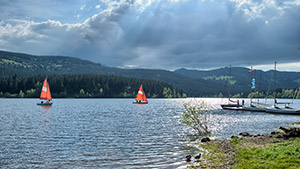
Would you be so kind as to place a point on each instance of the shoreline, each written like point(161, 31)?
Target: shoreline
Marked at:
point(278, 149)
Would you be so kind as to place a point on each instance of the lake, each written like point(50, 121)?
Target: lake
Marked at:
point(114, 133)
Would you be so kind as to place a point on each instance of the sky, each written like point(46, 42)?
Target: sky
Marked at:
point(157, 34)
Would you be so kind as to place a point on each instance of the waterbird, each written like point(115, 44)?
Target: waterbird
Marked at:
point(198, 156)
point(188, 158)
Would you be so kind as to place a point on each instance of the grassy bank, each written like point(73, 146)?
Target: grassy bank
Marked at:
point(256, 151)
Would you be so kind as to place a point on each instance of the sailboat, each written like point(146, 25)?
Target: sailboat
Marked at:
point(46, 99)
point(255, 106)
point(232, 104)
point(281, 110)
point(140, 97)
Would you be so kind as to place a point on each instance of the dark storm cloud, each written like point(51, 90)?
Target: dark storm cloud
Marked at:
point(168, 34)
point(214, 35)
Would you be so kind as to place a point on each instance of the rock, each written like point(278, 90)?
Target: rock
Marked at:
point(283, 129)
point(234, 137)
point(188, 158)
point(206, 139)
point(198, 156)
point(295, 123)
point(292, 132)
point(244, 134)
point(275, 132)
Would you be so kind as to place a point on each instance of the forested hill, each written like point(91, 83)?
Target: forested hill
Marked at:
point(241, 79)
point(99, 86)
point(29, 65)
point(192, 82)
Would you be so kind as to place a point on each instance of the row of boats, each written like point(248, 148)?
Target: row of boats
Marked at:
point(261, 107)
point(46, 99)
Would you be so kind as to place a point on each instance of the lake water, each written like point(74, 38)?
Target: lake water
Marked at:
point(114, 133)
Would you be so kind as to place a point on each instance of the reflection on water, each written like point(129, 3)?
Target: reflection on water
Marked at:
point(113, 133)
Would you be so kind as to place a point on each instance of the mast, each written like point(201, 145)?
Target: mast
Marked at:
point(250, 87)
point(229, 74)
point(275, 84)
point(252, 84)
point(259, 79)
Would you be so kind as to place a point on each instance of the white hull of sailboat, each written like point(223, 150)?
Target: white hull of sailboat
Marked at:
point(278, 110)
point(255, 108)
point(44, 104)
point(232, 107)
point(139, 102)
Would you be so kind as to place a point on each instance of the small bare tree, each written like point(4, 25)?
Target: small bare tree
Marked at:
point(196, 116)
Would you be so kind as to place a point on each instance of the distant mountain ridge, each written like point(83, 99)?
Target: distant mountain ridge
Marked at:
point(264, 80)
point(29, 65)
point(193, 82)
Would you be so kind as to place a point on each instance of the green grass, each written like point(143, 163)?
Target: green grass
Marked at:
point(234, 141)
point(251, 153)
point(215, 157)
point(278, 155)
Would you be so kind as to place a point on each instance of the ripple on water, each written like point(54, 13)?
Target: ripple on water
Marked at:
point(113, 133)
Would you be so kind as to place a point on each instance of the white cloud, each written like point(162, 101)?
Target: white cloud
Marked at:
point(97, 6)
point(82, 7)
point(267, 9)
point(295, 66)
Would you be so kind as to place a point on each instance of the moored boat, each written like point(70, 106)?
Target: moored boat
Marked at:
point(255, 108)
point(283, 110)
point(232, 104)
point(232, 107)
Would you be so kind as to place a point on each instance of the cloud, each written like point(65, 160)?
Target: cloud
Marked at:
point(98, 6)
point(167, 34)
point(82, 7)
point(95, 36)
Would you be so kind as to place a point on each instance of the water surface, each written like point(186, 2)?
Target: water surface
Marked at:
point(113, 133)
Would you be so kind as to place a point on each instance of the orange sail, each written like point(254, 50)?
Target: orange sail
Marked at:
point(45, 94)
point(141, 95)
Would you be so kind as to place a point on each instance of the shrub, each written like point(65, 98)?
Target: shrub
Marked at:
point(196, 116)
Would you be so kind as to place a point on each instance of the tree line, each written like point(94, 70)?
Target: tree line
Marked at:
point(86, 86)
point(278, 93)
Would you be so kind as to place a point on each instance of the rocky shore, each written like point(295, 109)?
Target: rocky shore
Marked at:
point(279, 148)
